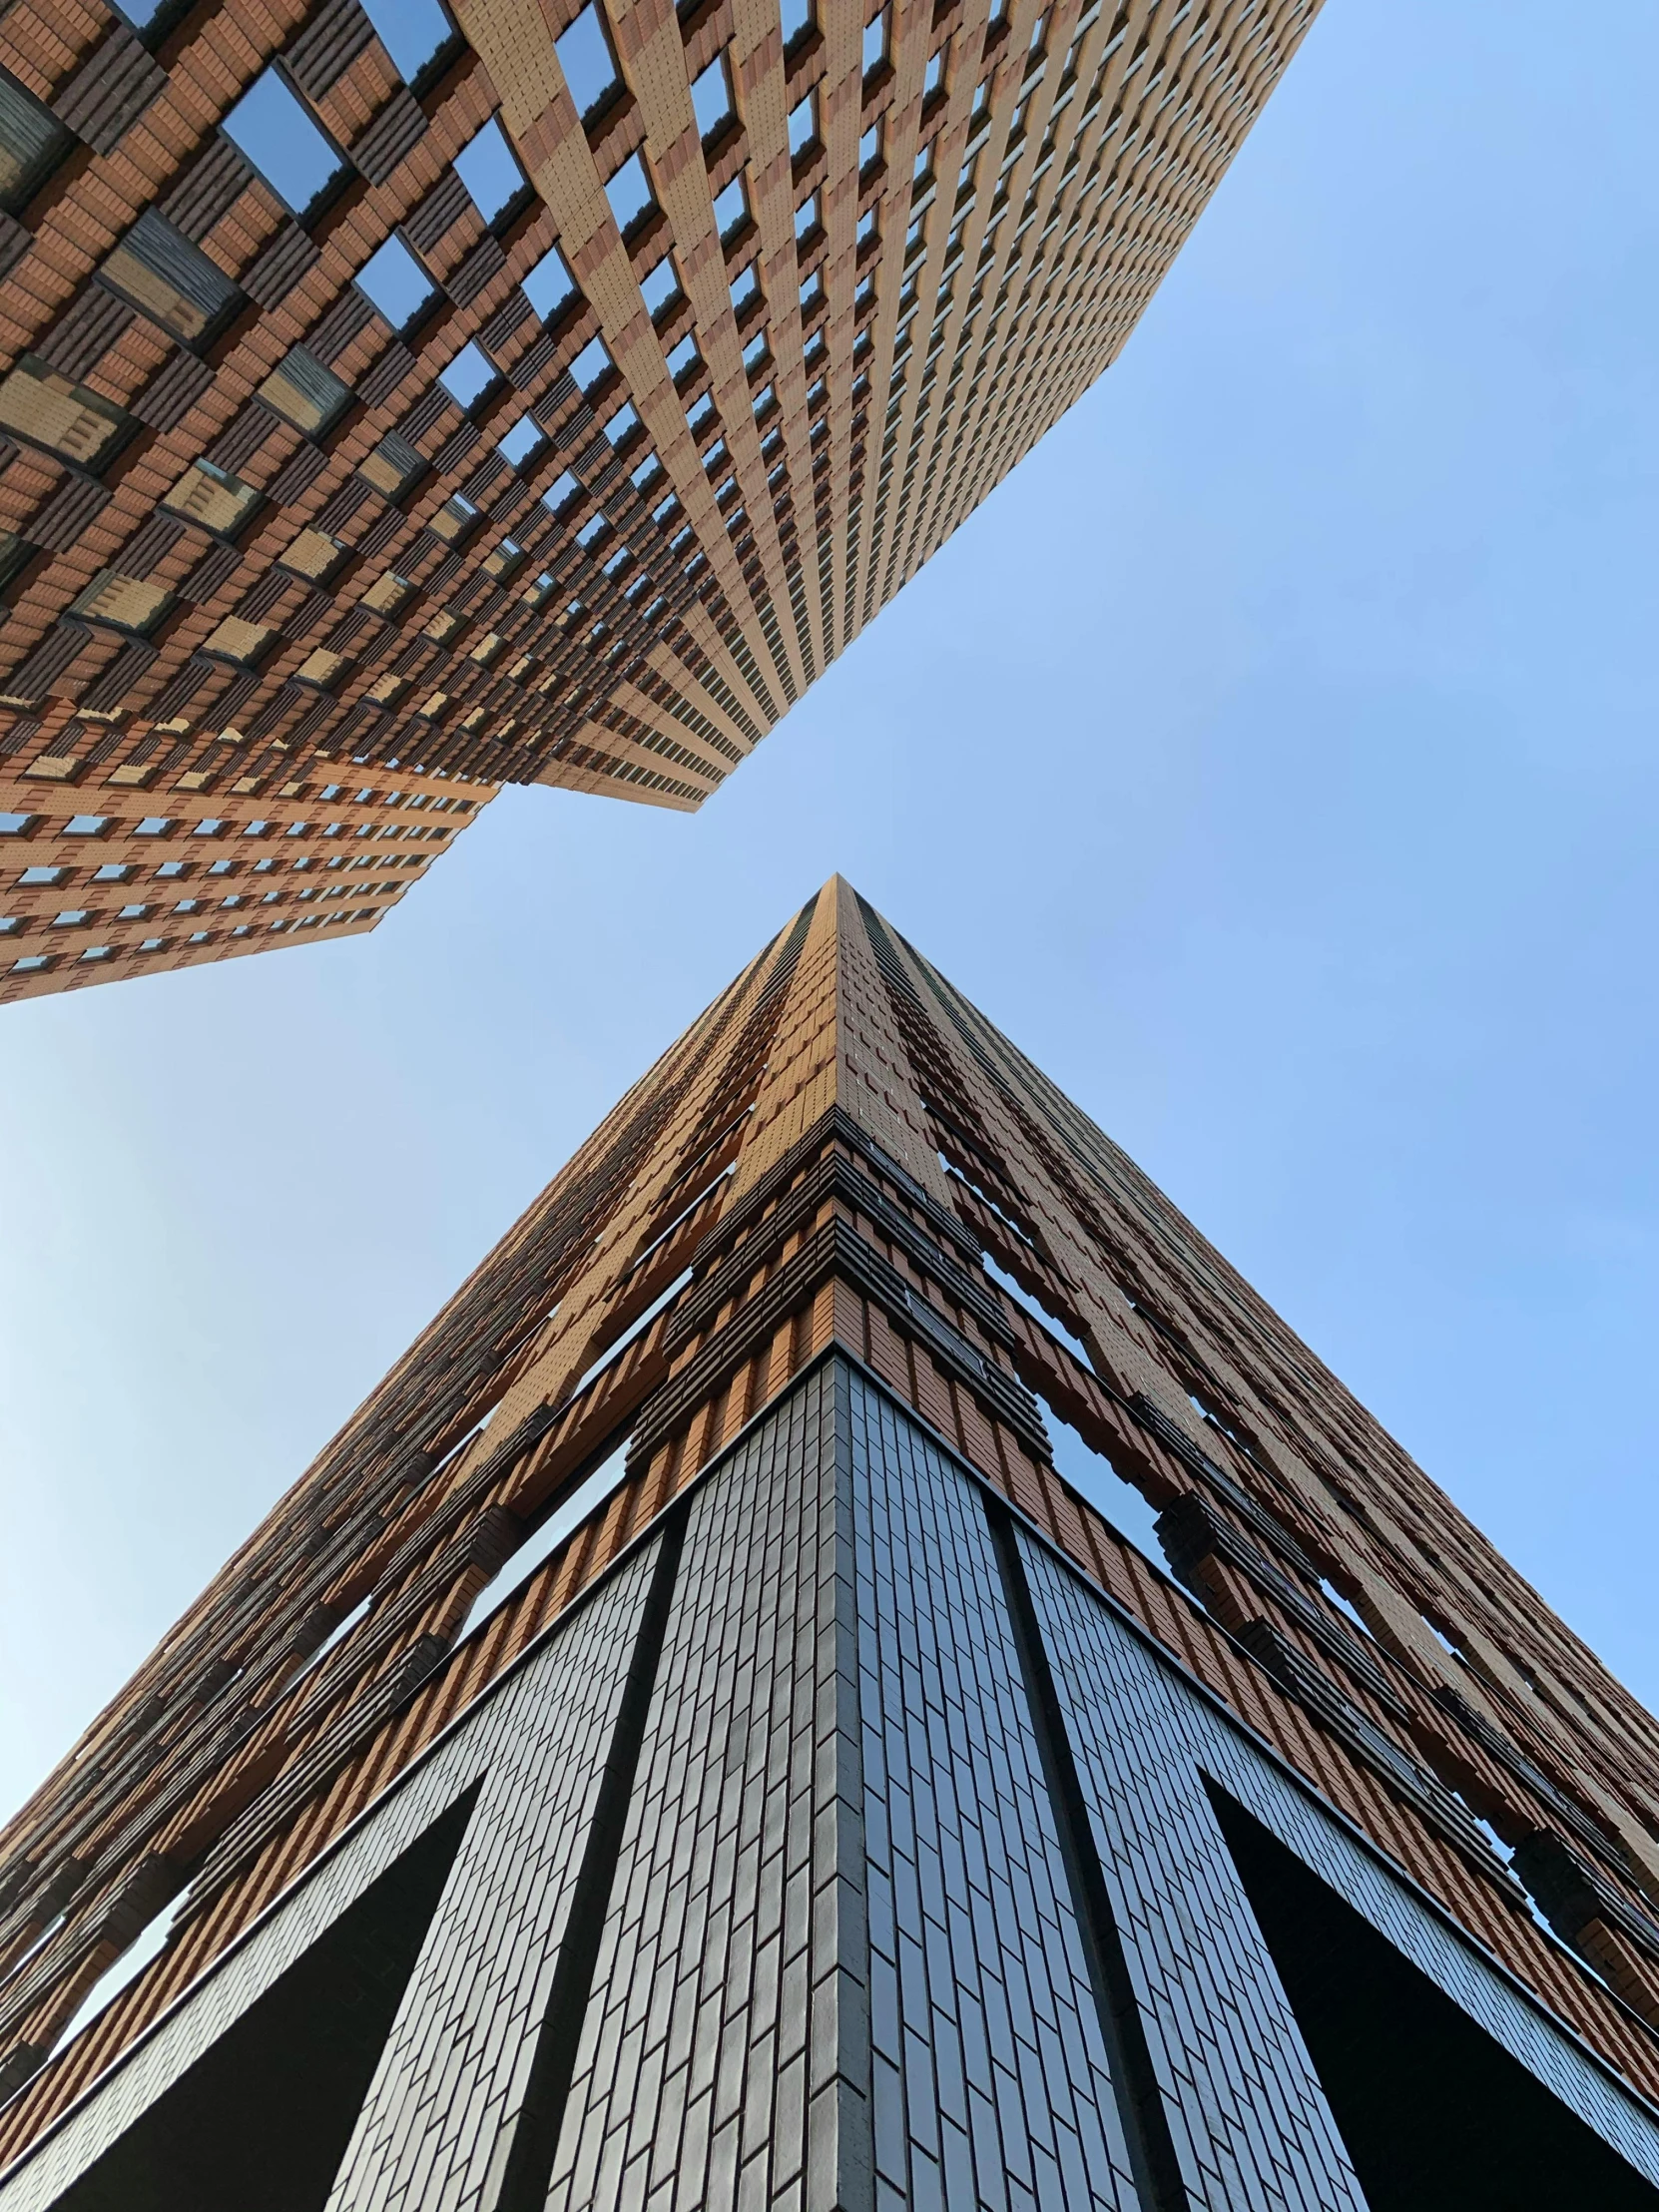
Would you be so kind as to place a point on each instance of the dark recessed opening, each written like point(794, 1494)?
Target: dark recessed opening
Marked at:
point(260, 2121)
point(1436, 2116)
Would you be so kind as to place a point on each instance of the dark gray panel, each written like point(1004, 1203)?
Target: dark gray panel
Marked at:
point(1253, 2123)
point(990, 2073)
point(438, 2123)
point(721, 2060)
point(445, 2092)
point(840, 1728)
point(261, 2119)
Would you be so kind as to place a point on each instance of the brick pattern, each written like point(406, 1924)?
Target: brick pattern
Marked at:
point(1143, 1746)
point(534, 1754)
point(598, 509)
point(821, 1163)
point(458, 2048)
point(839, 1960)
point(992, 2084)
point(324, 1626)
point(726, 2037)
point(96, 890)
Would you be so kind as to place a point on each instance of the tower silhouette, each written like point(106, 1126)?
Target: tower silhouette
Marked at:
point(854, 1664)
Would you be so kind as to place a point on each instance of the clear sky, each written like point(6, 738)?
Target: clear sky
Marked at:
point(1273, 758)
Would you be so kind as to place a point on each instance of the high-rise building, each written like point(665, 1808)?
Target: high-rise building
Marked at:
point(855, 1664)
point(535, 392)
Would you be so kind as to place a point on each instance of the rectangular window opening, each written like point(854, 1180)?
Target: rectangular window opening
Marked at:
point(587, 62)
point(489, 169)
point(272, 128)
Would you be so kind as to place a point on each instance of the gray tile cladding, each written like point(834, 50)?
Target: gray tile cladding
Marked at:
point(445, 2090)
point(989, 2077)
point(835, 1963)
point(1231, 2055)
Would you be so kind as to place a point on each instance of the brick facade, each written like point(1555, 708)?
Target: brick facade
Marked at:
point(949, 1846)
point(364, 417)
point(109, 884)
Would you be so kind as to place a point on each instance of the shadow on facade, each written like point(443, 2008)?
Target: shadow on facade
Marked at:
point(260, 2121)
point(1436, 2116)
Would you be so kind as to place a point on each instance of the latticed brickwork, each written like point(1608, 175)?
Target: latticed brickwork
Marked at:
point(820, 1168)
point(145, 884)
point(404, 417)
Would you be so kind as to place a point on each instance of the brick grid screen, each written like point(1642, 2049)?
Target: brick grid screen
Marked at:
point(502, 442)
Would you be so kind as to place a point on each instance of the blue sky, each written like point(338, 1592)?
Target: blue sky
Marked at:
point(1272, 756)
